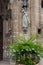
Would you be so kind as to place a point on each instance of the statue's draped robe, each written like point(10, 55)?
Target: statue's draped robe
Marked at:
point(25, 20)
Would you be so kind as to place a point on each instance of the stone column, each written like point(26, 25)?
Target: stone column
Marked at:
point(37, 14)
point(14, 7)
point(32, 17)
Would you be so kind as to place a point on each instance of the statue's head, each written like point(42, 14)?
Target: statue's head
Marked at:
point(24, 12)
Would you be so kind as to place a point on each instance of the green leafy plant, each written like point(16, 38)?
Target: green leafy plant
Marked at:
point(27, 52)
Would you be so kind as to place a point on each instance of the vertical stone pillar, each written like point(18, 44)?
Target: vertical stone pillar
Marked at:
point(14, 7)
point(32, 17)
point(37, 14)
point(41, 17)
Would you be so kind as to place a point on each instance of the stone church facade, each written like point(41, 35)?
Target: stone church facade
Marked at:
point(13, 13)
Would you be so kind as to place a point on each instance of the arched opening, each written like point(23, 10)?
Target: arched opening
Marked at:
point(1, 38)
point(4, 15)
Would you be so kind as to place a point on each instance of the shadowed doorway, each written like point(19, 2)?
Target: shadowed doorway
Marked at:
point(1, 38)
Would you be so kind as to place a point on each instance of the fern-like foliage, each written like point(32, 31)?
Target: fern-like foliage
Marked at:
point(28, 52)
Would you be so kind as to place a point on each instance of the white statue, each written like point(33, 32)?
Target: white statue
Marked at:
point(25, 20)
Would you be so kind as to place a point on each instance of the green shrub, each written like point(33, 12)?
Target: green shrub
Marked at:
point(27, 52)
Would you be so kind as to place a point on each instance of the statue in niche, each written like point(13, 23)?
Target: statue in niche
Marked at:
point(25, 20)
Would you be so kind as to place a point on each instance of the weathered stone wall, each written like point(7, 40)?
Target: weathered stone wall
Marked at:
point(35, 15)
